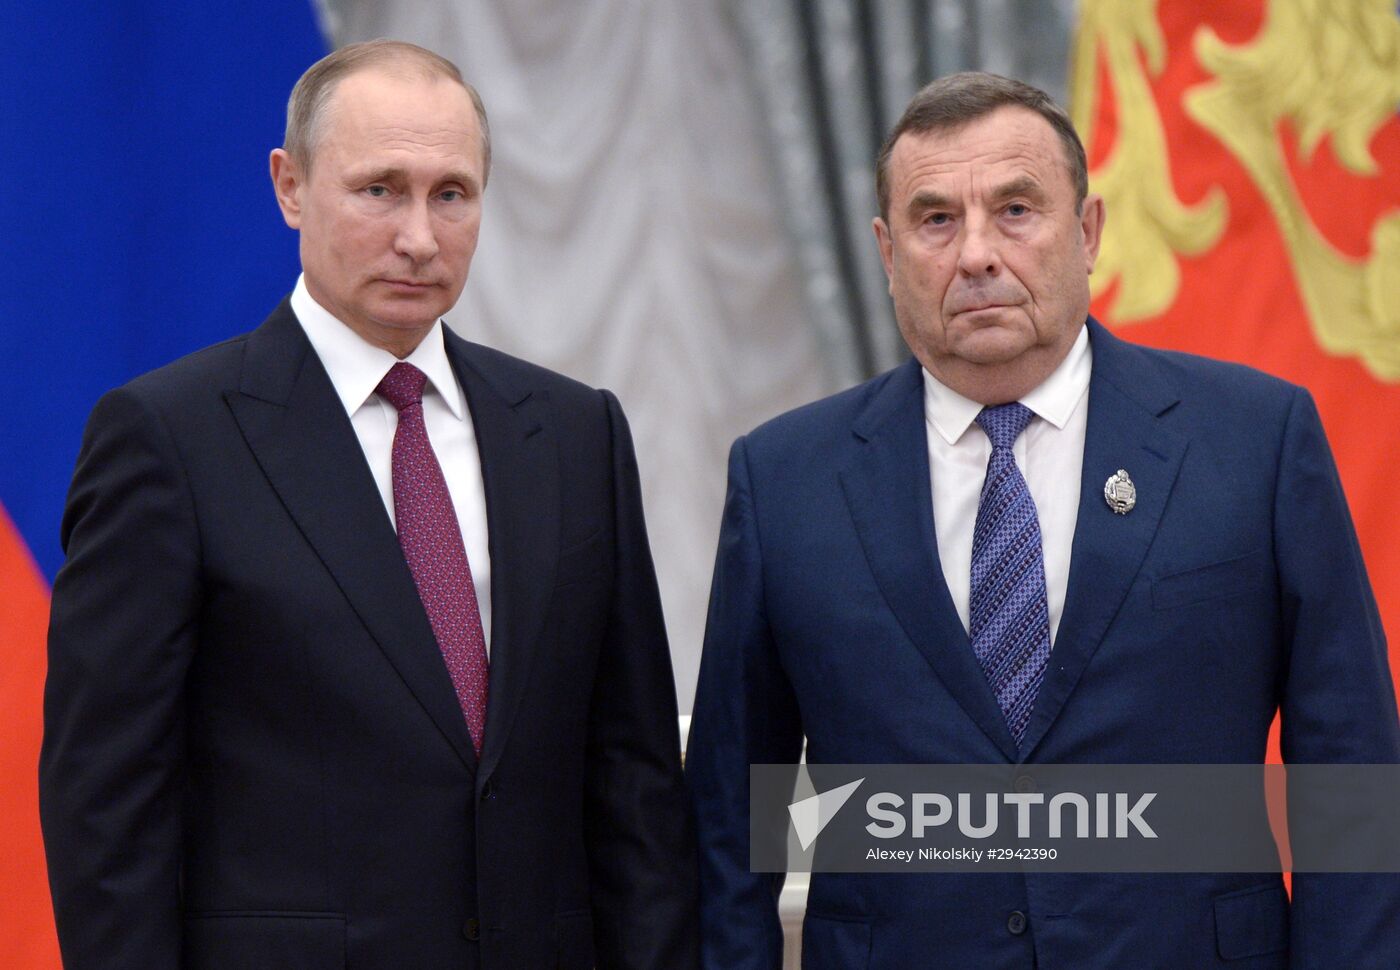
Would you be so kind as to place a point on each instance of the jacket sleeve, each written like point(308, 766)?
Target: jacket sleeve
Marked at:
point(745, 713)
point(641, 848)
point(121, 636)
point(1338, 704)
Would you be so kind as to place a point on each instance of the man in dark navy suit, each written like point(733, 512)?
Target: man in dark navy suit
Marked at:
point(357, 658)
point(1033, 543)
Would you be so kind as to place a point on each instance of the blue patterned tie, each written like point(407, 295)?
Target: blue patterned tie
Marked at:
point(1010, 619)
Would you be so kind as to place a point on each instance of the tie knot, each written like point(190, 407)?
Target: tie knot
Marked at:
point(402, 386)
point(1004, 423)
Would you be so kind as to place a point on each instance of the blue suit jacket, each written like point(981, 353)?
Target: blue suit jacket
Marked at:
point(1234, 588)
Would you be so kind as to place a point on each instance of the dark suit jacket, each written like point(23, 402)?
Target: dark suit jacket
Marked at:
point(253, 755)
point(1233, 589)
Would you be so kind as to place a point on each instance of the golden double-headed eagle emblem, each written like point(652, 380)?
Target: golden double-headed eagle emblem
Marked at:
point(1328, 68)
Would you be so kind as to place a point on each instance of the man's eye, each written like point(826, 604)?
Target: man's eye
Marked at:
point(377, 191)
point(1017, 209)
point(938, 219)
point(450, 195)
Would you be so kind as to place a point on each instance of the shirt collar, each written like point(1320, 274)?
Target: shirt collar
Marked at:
point(1054, 399)
point(355, 366)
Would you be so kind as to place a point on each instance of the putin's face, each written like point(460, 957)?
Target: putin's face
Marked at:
point(390, 210)
point(988, 254)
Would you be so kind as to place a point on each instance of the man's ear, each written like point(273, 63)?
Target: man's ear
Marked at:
point(1091, 221)
point(886, 244)
point(287, 182)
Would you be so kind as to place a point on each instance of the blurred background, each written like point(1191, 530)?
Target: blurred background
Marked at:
point(679, 210)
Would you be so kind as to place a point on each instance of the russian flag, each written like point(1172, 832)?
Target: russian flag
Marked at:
point(139, 225)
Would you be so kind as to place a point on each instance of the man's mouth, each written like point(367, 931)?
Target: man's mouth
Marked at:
point(979, 307)
point(984, 303)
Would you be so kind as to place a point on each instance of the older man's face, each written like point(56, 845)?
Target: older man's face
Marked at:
point(988, 255)
point(390, 211)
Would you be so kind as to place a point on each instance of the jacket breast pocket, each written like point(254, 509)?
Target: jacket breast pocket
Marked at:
point(264, 941)
point(1217, 580)
point(582, 562)
point(1251, 922)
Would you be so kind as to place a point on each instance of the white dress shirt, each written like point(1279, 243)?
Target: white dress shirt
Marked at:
point(356, 367)
point(1050, 454)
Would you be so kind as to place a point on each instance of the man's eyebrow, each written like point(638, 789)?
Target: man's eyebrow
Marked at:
point(385, 174)
point(390, 173)
point(1023, 185)
point(928, 199)
point(465, 178)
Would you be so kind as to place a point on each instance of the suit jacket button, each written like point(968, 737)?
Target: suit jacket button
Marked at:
point(487, 792)
point(1024, 784)
point(1016, 922)
point(471, 929)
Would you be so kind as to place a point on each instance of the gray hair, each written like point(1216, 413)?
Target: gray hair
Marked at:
point(306, 108)
point(955, 100)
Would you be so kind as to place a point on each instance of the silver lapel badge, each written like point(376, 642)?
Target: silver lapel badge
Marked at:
point(1120, 493)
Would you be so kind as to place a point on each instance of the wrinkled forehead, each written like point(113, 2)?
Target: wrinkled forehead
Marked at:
point(1010, 143)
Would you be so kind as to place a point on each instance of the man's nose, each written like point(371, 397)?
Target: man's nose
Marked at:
point(978, 254)
point(416, 238)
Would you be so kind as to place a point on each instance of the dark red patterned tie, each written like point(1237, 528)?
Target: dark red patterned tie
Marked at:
point(432, 544)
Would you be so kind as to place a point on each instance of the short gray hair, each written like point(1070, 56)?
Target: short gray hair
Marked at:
point(955, 100)
point(306, 108)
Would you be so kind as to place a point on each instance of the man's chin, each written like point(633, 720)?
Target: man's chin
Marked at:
point(408, 315)
point(991, 344)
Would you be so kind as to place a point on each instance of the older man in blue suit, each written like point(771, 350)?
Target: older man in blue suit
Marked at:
point(1033, 543)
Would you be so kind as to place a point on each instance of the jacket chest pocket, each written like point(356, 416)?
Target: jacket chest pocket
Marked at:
point(1214, 581)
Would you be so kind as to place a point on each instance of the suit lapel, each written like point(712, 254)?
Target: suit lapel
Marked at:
point(1127, 398)
point(888, 493)
point(520, 471)
point(302, 439)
